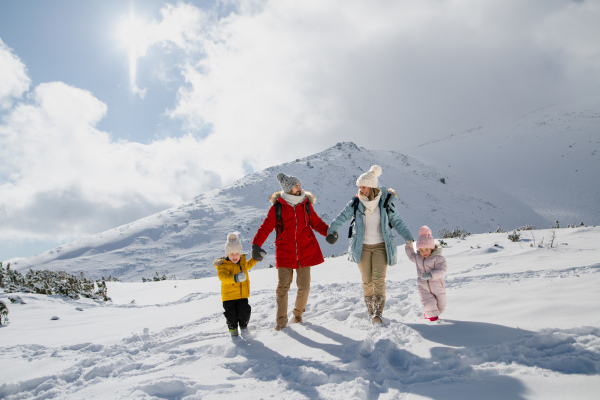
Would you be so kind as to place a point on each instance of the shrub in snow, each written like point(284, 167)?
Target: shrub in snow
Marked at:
point(455, 234)
point(52, 283)
point(3, 313)
point(16, 299)
point(514, 237)
point(526, 228)
point(156, 278)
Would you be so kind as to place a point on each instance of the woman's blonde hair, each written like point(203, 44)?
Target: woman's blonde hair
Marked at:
point(373, 192)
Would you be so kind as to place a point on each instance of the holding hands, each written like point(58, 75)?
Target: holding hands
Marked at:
point(332, 238)
point(257, 252)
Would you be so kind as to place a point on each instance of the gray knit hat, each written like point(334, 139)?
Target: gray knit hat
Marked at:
point(369, 178)
point(287, 182)
point(233, 244)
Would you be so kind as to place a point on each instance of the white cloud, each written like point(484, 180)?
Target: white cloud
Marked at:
point(61, 177)
point(288, 78)
point(570, 35)
point(13, 79)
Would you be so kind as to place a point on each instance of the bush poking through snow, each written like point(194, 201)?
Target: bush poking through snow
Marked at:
point(455, 234)
point(3, 313)
point(526, 228)
point(52, 283)
point(514, 237)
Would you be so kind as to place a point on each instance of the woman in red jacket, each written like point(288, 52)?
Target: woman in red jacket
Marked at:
point(296, 248)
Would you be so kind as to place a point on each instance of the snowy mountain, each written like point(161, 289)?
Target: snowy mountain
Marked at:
point(183, 241)
point(521, 323)
point(540, 169)
point(548, 160)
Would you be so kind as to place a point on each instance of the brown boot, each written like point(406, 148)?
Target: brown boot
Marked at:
point(369, 303)
point(378, 303)
point(297, 319)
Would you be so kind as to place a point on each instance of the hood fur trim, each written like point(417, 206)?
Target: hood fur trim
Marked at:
point(275, 196)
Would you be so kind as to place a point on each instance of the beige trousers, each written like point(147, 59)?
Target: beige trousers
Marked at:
point(285, 280)
point(373, 267)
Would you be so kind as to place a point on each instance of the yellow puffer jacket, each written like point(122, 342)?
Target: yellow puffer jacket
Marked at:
point(226, 270)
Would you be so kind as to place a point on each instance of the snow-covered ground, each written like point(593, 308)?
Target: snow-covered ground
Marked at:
point(522, 323)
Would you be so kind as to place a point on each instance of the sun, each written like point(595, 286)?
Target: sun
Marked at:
point(133, 34)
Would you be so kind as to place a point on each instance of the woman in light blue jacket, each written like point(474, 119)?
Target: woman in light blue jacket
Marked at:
point(372, 244)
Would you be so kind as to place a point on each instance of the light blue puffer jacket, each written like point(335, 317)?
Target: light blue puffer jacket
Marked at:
point(356, 242)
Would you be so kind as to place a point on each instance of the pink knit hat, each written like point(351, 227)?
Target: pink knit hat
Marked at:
point(425, 240)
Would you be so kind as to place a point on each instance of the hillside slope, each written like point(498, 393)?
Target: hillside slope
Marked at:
point(548, 160)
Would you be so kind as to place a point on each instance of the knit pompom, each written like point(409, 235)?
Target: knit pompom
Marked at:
point(369, 178)
point(424, 230)
point(233, 244)
point(376, 169)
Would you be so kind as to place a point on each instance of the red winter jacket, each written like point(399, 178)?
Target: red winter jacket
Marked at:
point(296, 246)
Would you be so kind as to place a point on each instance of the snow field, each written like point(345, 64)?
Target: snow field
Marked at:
point(521, 323)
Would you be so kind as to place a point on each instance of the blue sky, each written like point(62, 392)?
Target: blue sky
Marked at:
point(113, 110)
point(78, 43)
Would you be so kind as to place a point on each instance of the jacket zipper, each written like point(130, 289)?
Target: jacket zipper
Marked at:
point(241, 291)
point(296, 236)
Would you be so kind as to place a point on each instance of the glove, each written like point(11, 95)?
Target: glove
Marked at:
point(239, 277)
point(257, 252)
point(409, 243)
point(426, 275)
point(332, 238)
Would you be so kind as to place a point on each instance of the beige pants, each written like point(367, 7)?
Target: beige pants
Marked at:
point(285, 280)
point(373, 267)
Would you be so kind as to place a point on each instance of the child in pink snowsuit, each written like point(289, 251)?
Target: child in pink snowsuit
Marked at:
point(431, 269)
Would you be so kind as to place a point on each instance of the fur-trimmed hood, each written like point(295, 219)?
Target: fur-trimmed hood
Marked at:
point(275, 196)
point(392, 191)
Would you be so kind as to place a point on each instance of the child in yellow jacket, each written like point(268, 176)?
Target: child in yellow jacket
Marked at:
point(235, 284)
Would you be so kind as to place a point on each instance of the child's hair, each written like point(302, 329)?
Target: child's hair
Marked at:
point(233, 244)
point(425, 240)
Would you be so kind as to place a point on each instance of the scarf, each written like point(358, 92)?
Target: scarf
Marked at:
point(293, 200)
point(370, 205)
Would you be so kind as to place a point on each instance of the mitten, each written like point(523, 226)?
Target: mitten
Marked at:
point(240, 277)
point(332, 238)
point(257, 252)
point(409, 243)
point(426, 275)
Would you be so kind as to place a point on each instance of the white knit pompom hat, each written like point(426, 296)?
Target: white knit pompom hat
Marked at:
point(233, 244)
point(369, 178)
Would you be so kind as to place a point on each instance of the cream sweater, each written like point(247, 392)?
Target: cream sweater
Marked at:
point(373, 233)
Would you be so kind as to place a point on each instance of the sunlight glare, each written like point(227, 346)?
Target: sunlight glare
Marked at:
point(132, 33)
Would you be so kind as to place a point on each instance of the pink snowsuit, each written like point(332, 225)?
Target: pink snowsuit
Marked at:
point(432, 291)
